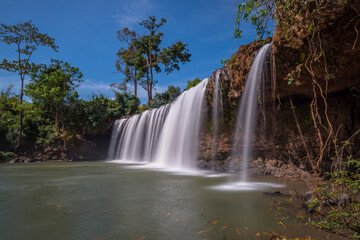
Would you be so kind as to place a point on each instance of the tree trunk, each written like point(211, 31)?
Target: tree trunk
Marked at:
point(21, 116)
point(56, 118)
point(64, 137)
point(135, 84)
point(151, 83)
point(148, 87)
point(64, 140)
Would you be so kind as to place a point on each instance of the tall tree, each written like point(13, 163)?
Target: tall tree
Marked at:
point(27, 38)
point(52, 89)
point(156, 58)
point(130, 61)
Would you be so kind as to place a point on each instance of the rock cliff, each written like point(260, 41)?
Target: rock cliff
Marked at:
point(286, 131)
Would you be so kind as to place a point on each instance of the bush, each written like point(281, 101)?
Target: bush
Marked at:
point(334, 204)
point(6, 156)
point(100, 108)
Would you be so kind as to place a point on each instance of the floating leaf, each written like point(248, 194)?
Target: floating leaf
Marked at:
point(203, 231)
point(215, 222)
point(224, 227)
point(168, 214)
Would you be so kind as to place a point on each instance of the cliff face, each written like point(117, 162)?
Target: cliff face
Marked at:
point(286, 113)
point(335, 38)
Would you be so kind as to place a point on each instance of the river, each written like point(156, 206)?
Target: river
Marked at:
point(105, 200)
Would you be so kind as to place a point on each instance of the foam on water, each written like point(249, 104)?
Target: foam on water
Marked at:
point(245, 186)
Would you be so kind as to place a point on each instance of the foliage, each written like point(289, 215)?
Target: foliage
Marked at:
point(6, 156)
point(157, 59)
point(259, 13)
point(142, 108)
point(27, 39)
point(224, 61)
point(192, 83)
point(100, 108)
point(9, 110)
point(128, 103)
point(130, 62)
point(52, 90)
point(166, 97)
point(9, 120)
point(334, 204)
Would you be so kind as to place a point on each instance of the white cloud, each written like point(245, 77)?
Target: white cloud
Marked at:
point(90, 84)
point(133, 12)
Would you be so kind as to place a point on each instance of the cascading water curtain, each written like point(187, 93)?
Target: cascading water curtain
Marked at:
point(167, 136)
point(247, 117)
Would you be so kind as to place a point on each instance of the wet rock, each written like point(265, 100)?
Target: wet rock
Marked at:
point(83, 150)
point(343, 199)
point(277, 194)
point(309, 195)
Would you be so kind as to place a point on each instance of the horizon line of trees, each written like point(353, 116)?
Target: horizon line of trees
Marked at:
point(54, 113)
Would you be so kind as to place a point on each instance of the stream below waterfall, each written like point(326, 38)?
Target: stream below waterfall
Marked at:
point(107, 200)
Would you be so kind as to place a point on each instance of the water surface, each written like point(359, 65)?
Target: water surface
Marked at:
point(101, 200)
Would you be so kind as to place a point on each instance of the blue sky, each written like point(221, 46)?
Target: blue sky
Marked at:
point(85, 32)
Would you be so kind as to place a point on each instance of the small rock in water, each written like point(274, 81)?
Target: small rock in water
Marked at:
point(309, 195)
point(276, 193)
point(341, 200)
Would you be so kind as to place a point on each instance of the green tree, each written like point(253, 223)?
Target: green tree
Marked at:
point(52, 90)
point(9, 103)
point(192, 83)
point(100, 108)
point(166, 97)
point(260, 13)
point(130, 61)
point(168, 58)
point(27, 38)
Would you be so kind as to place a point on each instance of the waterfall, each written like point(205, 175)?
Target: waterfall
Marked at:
point(178, 144)
point(247, 117)
point(135, 138)
point(167, 136)
point(215, 115)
